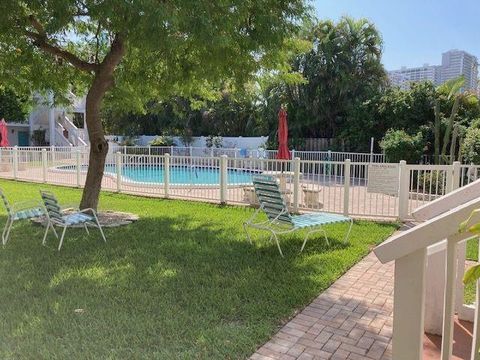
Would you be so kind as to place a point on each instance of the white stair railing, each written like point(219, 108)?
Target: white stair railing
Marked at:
point(76, 136)
point(409, 250)
point(60, 139)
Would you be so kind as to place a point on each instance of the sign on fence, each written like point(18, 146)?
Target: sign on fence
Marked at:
point(383, 178)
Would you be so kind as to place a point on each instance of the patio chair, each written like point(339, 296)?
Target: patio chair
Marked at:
point(22, 210)
point(280, 221)
point(57, 217)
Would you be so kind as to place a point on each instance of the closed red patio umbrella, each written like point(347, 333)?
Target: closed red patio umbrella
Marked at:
point(283, 153)
point(3, 134)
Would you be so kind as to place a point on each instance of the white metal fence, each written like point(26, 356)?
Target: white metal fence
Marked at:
point(313, 185)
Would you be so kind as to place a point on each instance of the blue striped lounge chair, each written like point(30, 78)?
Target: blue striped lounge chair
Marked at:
point(57, 217)
point(280, 221)
point(22, 210)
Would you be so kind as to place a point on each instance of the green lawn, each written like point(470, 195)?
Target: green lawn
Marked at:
point(472, 254)
point(180, 283)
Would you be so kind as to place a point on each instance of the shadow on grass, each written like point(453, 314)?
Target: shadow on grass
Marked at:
point(163, 287)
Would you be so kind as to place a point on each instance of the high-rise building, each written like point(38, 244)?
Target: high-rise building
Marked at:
point(455, 63)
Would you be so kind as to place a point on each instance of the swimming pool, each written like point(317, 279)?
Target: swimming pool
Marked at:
point(179, 175)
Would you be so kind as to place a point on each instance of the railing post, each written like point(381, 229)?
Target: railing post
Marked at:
point(52, 152)
point(408, 306)
point(149, 150)
point(223, 179)
point(456, 175)
point(118, 169)
point(171, 149)
point(79, 166)
point(403, 190)
point(15, 162)
point(346, 186)
point(44, 165)
point(296, 183)
point(449, 299)
point(166, 174)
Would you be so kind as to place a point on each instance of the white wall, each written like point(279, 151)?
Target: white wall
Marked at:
point(13, 130)
point(200, 141)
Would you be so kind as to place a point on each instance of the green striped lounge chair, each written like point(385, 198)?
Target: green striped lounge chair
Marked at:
point(280, 221)
point(57, 217)
point(22, 210)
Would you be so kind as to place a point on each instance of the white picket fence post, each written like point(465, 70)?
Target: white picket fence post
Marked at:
point(223, 179)
point(15, 162)
point(346, 187)
point(118, 169)
point(44, 165)
point(296, 183)
point(79, 165)
point(403, 190)
point(166, 174)
point(456, 175)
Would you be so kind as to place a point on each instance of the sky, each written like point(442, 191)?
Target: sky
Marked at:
point(414, 32)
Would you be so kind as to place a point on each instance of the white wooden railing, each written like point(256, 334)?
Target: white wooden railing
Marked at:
point(76, 136)
point(413, 251)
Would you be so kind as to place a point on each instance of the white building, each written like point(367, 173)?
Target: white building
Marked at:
point(405, 76)
point(47, 125)
point(455, 63)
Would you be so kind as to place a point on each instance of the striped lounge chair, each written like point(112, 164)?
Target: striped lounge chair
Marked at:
point(22, 210)
point(280, 221)
point(56, 217)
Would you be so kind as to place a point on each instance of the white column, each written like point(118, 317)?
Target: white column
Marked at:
point(403, 190)
point(408, 303)
point(346, 187)
point(223, 179)
point(44, 165)
point(51, 121)
point(166, 174)
point(118, 169)
point(296, 183)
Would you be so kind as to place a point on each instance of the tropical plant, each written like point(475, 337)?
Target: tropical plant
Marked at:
point(398, 145)
point(342, 69)
point(163, 140)
point(471, 146)
point(473, 273)
point(107, 49)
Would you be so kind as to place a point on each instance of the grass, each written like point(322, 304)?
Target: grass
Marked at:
point(181, 283)
point(472, 254)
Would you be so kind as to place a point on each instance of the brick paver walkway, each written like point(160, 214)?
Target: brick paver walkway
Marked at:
point(350, 320)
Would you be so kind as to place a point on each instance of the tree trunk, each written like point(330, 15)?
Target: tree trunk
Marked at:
point(102, 81)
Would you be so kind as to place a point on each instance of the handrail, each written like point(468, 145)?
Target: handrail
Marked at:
point(426, 234)
point(447, 202)
point(73, 132)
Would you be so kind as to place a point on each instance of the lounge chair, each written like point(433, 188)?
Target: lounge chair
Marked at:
point(280, 221)
point(57, 217)
point(22, 210)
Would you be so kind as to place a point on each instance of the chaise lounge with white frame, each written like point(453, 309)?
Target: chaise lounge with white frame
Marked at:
point(22, 210)
point(280, 221)
point(57, 217)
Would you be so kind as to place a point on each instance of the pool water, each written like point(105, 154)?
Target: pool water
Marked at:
point(182, 175)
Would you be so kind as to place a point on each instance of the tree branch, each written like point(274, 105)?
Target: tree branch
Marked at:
point(41, 41)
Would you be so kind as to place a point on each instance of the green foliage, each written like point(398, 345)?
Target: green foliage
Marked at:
point(341, 70)
point(163, 140)
point(472, 226)
point(398, 145)
point(471, 146)
point(12, 107)
point(214, 141)
point(195, 45)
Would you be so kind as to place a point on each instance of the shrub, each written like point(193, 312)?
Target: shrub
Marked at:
point(163, 140)
point(398, 145)
point(214, 141)
point(471, 146)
